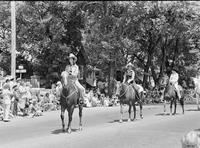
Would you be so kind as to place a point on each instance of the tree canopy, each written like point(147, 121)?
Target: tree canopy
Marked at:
point(155, 35)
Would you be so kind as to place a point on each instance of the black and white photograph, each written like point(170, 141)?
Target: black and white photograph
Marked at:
point(99, 74)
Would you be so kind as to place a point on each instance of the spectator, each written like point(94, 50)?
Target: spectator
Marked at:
point(16, 100)
point(7, 94)
point(22, 100)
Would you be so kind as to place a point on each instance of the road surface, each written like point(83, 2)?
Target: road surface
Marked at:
point(101, 129)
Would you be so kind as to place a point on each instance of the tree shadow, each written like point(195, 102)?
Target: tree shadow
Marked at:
point(60, 131)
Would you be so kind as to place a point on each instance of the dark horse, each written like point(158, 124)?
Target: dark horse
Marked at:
point(127, 95)
point(69, 98)
point(170, 94)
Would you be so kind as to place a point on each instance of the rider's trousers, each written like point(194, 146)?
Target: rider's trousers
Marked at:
point(177, 90)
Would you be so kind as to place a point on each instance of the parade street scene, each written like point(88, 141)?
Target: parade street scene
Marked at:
point(99, 74)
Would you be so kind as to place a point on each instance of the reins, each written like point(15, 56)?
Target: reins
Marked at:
point(69, 94)
point(124, 92)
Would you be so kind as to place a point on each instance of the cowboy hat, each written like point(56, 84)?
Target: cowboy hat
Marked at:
point(58, 83)
point(71, 55)
point(129, 64)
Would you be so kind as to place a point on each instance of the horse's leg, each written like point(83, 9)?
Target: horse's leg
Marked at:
point(134, 109)
point(62, 118)
point(171, 103)
point(182, 104)
point(165, 102)
point(121, 113)
point(175, 104)
point(129, 111)
point(70, 112)
point(80, 117)
point(197, 99)
point(141, 115)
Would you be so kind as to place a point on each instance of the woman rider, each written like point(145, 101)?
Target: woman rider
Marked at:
point(71, 72)
point(129, 77)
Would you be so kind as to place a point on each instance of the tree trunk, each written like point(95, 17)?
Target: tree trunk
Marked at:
point(146, 70)
point(110, 79)
point(163, 62)
point(154, 74)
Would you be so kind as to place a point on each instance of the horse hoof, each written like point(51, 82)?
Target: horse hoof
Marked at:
point(63, 130)
point(129, 120)
point(120, 121)
point(141, 117)
point(69, 131)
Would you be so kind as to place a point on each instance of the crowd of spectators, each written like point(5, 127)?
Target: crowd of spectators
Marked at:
point(18, 98)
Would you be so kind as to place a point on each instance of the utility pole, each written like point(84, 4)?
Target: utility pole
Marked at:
point(13, 40)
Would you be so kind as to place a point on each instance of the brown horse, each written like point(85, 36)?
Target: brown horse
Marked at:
point(69, 98)
point(127, 95)
point(170, 94)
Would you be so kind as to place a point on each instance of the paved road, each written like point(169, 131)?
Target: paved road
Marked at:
point(101, 129)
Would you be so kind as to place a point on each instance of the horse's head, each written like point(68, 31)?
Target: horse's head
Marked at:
point(118, 88)
point(64, 79)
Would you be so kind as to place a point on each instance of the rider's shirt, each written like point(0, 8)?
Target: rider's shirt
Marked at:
point(174, 78)
point(130, 75)
point(72, 71)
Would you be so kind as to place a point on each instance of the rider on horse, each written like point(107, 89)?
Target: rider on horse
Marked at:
point(71, 73)
point(174, 81)
point(129, 77)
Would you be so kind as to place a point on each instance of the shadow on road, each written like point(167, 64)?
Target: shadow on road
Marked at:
point(191, 110)
point(163, 114)
point(124, 120)
point(59, 131)
point(166, 114)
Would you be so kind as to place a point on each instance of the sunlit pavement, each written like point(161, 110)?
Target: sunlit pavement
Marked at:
point(101, 129)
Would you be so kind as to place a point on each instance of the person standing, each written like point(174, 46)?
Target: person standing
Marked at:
point(7, 95)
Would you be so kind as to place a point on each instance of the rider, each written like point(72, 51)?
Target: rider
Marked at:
point(174, 81)
point(129, 77)
point(71, 72)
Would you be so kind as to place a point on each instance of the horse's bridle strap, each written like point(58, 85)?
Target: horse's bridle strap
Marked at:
point(71, 93)
point(124, 92)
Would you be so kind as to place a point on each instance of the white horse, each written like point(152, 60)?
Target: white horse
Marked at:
point(197, 90)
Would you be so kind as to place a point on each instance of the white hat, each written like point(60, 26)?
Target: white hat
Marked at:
point(129, 64)
point(71, 55)
point(58, 83)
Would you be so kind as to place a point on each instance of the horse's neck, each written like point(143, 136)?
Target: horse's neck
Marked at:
point(126, 88)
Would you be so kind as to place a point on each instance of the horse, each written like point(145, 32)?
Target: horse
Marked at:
point(197, 90)
point(170, 94)
point(69, 98)
point(127, 95)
